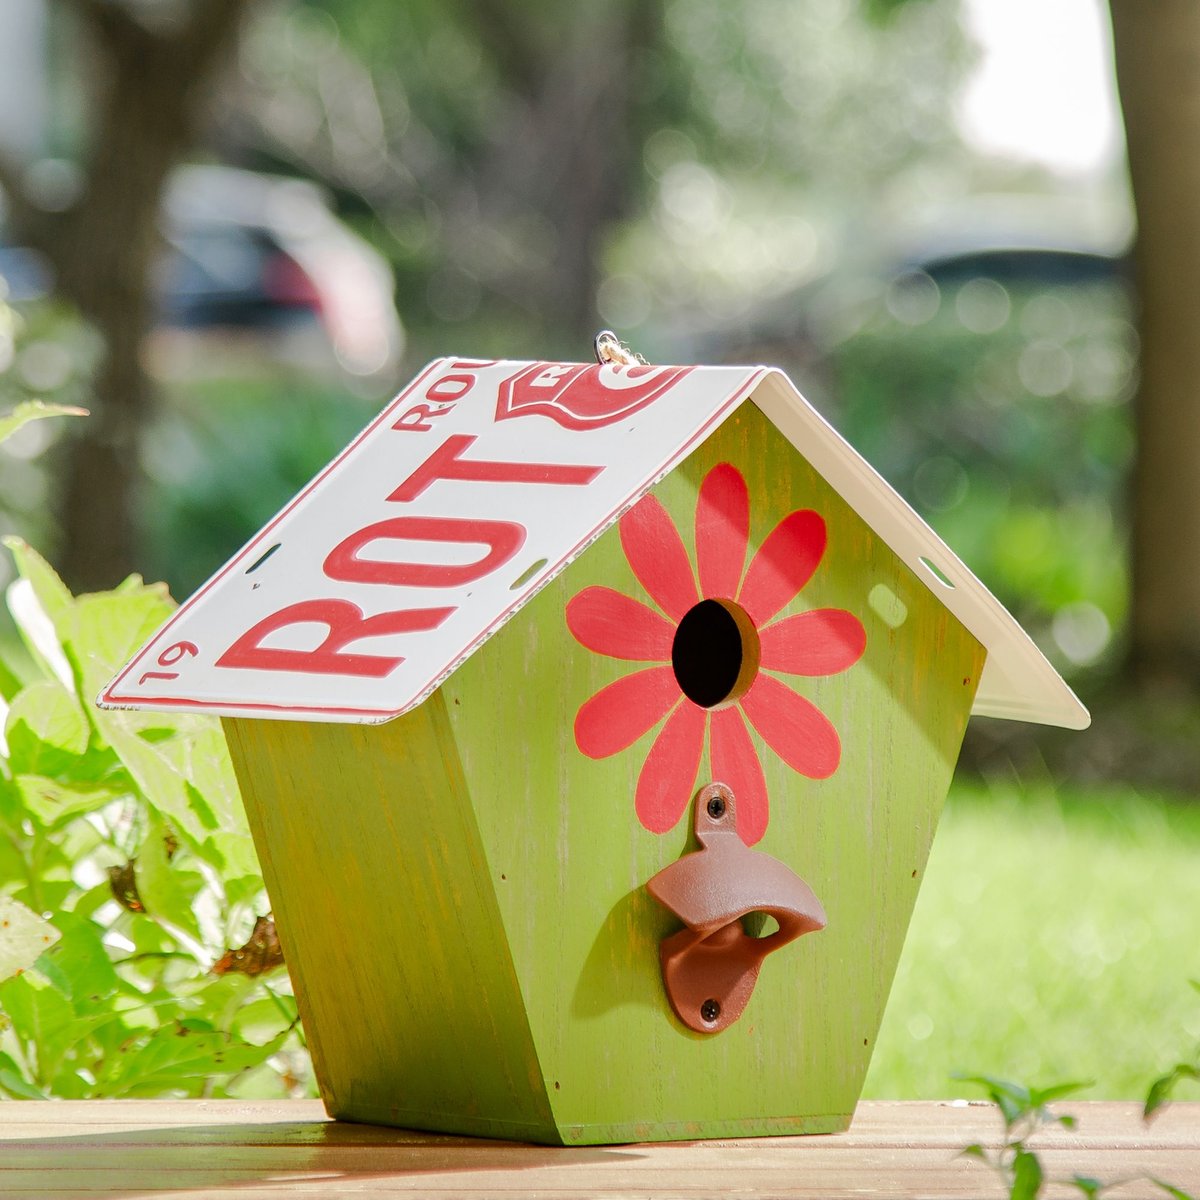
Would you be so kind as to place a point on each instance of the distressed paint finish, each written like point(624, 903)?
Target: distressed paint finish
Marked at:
point(499, 873)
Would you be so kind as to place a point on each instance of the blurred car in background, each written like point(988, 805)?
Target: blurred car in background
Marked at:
point(1031, 266)
point(23, 274)
point(255, 262)
point(1022, 248)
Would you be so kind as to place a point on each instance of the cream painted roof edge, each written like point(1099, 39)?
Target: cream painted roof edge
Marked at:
point(1018, 682)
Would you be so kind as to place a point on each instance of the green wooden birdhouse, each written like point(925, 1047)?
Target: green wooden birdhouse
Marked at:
point(593, 723)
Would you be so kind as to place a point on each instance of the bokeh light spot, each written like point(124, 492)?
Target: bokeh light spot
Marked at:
point(913, 299)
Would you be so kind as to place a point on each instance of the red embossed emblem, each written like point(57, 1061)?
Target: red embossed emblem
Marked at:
point(583, 397)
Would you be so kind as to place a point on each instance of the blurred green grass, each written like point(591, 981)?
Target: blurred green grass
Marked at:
point(1053, 939)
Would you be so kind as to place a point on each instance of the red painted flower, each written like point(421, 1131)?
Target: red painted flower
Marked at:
point(716, 647)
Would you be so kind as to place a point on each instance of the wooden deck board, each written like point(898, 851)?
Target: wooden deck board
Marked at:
point(142, 1149)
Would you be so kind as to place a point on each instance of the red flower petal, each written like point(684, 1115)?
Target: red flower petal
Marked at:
point(795, 728)
point(735, 763)
point(617, 715)
point(655, 552)
point(784, 563)
point(722, 531)
point(822, 642)
point(664, 787)
point(611, 623)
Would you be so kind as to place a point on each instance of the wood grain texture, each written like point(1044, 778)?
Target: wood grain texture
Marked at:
point(147, 1149)
point(460, 893)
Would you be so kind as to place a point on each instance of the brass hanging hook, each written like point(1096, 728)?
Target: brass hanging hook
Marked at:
point(611, 351)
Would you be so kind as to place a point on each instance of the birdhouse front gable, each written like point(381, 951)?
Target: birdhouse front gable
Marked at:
point(838, 743)
point(478, 485)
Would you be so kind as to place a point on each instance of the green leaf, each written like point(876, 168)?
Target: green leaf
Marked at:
point(68, 1084)
point(13, 1081)
point(40, 1018)
point(1017, 1092)
point(1040, 1096)
point(186, 1051)
point(12, 806)
point(1026, 1176)
point(974, 1150)
point(880, 12)
point(1176, 1193)
point(13, 865)
point(1158, 1095)
point(10, 685)
point(102, 632)
point(39, 632)
point(180, 764)
point(167, 892)
point(1163, 1088)
point(34, 410)
point(24, 937)
point(46, 729)
point(52, 594)
point(247, 891)
point(55, 804)
point(87, 903)
point(189, 779)
point(160, 781)
point(79, 965)
point(1088, 1185)
point(267, 1018)
point(1012, 1099)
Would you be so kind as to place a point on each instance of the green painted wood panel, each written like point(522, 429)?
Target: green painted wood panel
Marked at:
point(389, 923)
point(568, 858)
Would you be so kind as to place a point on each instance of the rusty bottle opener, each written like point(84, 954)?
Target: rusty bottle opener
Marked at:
point(710, 967)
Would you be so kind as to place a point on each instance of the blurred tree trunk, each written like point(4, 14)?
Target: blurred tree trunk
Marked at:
point(1158, 72)
point(103, 246)
point(571, 153)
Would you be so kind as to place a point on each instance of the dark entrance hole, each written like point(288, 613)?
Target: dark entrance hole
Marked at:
point(715, 653)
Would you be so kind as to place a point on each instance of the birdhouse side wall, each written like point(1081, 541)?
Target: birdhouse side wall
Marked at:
point(389, 924)
point(568, 850)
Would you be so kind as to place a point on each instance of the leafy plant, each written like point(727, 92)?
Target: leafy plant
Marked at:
point(34, 410)
point(1025, 1112)
point(136, 955)
point(47, 355)
point(1163, 1088)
